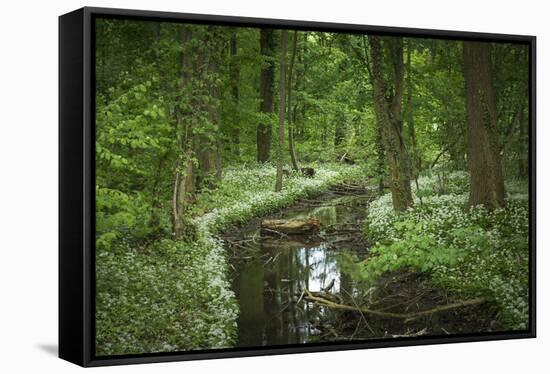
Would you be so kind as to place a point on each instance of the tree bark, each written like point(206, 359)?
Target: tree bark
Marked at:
point(208, 147)
point(414, 156)
point(184, 186)
point(388, 108)
point(291, 147)
point(486, 177)
point(267, 76)
point(234, 78)
point(380, 157)
point(282, 84)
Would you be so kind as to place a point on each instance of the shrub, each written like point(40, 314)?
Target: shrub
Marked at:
point(472, 252)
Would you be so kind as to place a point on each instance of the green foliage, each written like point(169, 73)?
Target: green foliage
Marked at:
point(169, 296)
point(472, 253)
point(174, 295)
point(178, 87)
point(247, 192)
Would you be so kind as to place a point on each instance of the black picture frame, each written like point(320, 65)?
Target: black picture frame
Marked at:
point(77, 192)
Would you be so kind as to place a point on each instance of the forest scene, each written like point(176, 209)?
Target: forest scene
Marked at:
point(266, 187)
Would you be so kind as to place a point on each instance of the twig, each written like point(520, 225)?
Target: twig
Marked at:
point(362, 314)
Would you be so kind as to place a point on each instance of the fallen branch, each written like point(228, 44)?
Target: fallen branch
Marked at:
point(275, 232)
point(407, 316)
point(310, 225)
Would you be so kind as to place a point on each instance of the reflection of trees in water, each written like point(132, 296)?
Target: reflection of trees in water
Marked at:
point(271, 282)
point(268, 294)
point(250, 291)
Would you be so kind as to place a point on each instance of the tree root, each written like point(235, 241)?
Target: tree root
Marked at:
point(406, 316)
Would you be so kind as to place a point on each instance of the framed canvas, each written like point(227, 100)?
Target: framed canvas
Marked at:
point(236, 186)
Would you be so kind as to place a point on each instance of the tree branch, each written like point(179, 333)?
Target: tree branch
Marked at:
point(407, 316)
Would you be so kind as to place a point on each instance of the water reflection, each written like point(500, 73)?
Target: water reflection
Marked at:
point(268, 294)
point(269, 283)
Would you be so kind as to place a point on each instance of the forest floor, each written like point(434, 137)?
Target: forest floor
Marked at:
point(170, 295)
point(470, 253)
point(455, 289)
point(175, 295)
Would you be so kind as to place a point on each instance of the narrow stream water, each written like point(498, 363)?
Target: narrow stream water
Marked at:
point(270, 273)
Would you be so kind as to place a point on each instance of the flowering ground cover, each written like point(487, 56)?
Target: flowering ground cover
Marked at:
point(174, 295)
point(471, 252)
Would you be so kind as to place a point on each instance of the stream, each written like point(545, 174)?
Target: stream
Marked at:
point(270, 273)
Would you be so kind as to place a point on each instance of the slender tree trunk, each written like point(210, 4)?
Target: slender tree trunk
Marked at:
point(184, 186)
point(380, 158)
point(291, 147)
point(486, 177)
point(234, 78)
point(388, 116)
point(267, 75)
point(154, 219)
point(282, 84)
point(184, 192)
point(414, 156)
point(339, 128)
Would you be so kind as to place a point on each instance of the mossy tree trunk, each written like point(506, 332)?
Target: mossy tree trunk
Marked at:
point(184, 181)
point(388, 95)
point(486, 176)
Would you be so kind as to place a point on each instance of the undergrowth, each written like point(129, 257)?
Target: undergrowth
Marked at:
point(470, 252)
point(175, 295)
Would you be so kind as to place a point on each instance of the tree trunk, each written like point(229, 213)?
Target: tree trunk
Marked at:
point(282, 84)
point(339, 128)
point(184, 186)
point(388, 116)
point(208, 147)
point(154, 219)
point(267, 75)
point(184, 193)
point(234, 78)
point(291, 147)
point(486, 178)
point(414, 155)
point(380, 157)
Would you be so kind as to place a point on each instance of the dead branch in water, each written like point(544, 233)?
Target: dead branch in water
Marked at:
point(407, 316)
point(282, 234)
point(310, 225)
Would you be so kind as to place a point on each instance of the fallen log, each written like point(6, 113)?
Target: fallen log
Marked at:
point(309, 296)
point(291, 226)
point(269, 242)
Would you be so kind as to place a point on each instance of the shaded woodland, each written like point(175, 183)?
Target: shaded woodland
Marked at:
point(204, 129)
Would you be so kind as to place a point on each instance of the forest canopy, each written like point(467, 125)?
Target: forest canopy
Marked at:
point(202, 128)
